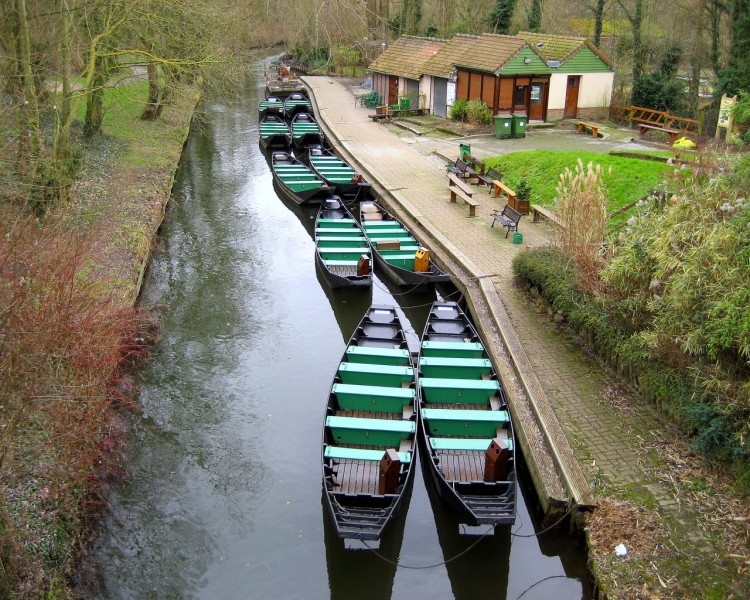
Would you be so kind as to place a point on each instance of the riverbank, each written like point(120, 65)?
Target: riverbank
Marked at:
point(83, 264)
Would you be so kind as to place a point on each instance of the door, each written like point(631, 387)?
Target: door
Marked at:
point(412, 92)
point(571, 97)
point(392, 90)
point(440, 97)
point(537, 98)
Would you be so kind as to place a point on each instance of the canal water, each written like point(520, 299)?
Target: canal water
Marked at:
point(222, 494)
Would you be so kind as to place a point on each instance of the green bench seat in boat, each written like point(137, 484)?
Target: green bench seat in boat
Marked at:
point(370, 432)
point(373, 398)
point(457, 349)
point(325, 221)
point(344, 453)
point(338, 242)
point(395, 234)
point(459, 391)
point(405, 261)
point(454, 368)
point(340, 231)
point(343, 253)
point(384, 225)
point(381, 356)
point(463, 443)
point(379, 375)
point(341, 263)
point(474, 423)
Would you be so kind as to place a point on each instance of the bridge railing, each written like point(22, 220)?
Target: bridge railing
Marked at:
point(658, 118)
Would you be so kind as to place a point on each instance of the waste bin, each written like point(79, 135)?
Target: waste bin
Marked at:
point(519, 125)
point(404, 103)
point(464, 150)
point(503, 128)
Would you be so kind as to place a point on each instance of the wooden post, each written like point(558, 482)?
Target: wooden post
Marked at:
point(390, 467)
point(497, 461)
point(363, 266)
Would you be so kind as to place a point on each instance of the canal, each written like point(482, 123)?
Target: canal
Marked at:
point(221, 496)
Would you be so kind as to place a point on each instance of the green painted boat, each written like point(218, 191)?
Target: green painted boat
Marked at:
point(396, 251)
point(464, 420)
point(296, 102)
point(337, 172)
point(343, 255)
point(305, 131)
point(369, 434)
point(272, 105)
point(296, 181)
point(274, 132)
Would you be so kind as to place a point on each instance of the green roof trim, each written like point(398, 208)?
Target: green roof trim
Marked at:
point(524, 63)
point(584, 61)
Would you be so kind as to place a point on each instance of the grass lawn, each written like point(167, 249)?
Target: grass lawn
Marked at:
point(630, 178)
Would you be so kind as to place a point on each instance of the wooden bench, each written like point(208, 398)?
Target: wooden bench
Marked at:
point(459, 189)
point(583, 126)
point(643, 129)
point(461, 169)
point(499, 187)
point(540, 212)
point(508, 218)
point(478, 168)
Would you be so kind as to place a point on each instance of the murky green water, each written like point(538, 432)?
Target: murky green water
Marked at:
point(222, 494)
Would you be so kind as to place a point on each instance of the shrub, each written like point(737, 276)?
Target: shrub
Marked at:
point(478, 113)
point(458, 110)
point(523, 189)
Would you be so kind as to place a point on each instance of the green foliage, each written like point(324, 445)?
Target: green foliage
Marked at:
point(535, 16)
point(501, 16)
point(736, 75)
point(661, 90)
point(629, 180)
point(523, 189)
point(717, 416)
point(478, 112)
point(741, 116)
point(459, 110)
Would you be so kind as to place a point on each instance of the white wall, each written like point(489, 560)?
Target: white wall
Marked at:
point(595, 90)
point(425, 92)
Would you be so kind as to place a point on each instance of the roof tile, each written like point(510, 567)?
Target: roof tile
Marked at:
point(491, 52)
point(441, 63)
point(406, 56)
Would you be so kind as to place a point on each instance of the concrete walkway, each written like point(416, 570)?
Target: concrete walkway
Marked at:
point(567, 394)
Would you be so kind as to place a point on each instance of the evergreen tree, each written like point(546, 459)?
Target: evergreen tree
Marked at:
point(661, 90)
point(501, 16)
point(535, 16)
point(735, 77)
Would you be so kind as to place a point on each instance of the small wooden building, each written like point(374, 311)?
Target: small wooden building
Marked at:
point(438, 85)
point(581, 77)
point(397, 72)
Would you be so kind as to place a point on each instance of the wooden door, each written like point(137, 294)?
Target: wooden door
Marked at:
point(392, 90)
point(571, 97)
point(537, 100)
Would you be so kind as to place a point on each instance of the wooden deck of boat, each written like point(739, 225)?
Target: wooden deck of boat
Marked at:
point(462, 465)
point(358, 476)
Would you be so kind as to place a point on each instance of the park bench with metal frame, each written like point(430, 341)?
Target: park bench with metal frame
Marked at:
point(508, 218)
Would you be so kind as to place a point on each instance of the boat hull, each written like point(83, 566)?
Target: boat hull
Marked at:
point(364, 493)
point(467, 439)
point(310, 189)
point(275, 142)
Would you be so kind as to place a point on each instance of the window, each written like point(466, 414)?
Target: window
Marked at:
point(519, 95)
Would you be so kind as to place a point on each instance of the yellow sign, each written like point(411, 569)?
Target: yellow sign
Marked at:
point(725, 113)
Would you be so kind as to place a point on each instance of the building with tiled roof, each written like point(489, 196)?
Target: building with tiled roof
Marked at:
point(397, 71)
point(438, 86)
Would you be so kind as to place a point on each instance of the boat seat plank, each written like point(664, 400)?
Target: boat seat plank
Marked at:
point(369, 374)
point(376, 432)
point(470, 423)
point(457, 349)
point(373, 398)
point(398, 426)
point(463, 391)
point(346, 453)
point(341, 263)
point(394, 356)
point(459, 368)
point(491, 416)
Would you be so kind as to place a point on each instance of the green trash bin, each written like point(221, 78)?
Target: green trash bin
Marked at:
point(503, 127)
point(519, 125)
point(404, 103)
point(464, 150)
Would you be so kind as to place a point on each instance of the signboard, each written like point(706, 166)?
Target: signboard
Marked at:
point(725, 114)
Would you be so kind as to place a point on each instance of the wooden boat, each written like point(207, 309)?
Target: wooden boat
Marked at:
point(305, 131)
point(369, 437)
point(337, 172)
point(296, 181)
point(272, 105)
point(464, 420)
point(281, 80)
point(396, 251)
point(341, 249)
point(295, 103)
point(274, 132)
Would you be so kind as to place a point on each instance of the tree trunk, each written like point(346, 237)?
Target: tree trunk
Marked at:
point(62, 140)
point(636, 21)
point(714, 14)
point(29, 135)
point(95, 101)
point(599, 21)
point(153, 105)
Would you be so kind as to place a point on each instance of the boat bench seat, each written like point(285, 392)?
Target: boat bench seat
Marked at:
point(443, 421)
point(369, 374)
point(463, 443)
point(459, 368)
point(460, 391)
point(387, 233)
point(344, 453)
point(351, 232)
point(337, 242)
point(373, 398)
point(457, 349)
point(327, 221)
point(349, 250)
point(300, 180)
point(370, 354)
point(393, 255)
point(370, 432)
